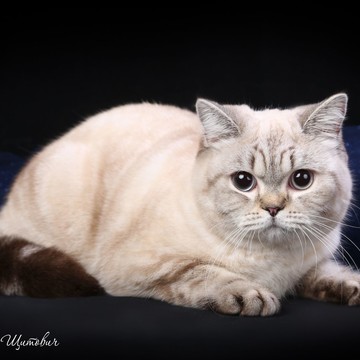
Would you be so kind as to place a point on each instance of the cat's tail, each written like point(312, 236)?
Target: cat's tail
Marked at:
point(33, 270)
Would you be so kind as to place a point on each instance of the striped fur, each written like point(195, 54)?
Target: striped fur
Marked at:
point(140, 198)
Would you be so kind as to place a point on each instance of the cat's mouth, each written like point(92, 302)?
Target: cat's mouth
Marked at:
point(271, 224)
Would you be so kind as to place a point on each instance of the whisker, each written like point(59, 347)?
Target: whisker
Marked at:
point(351, 206)
point(220, 250)
point(354, 205)
point(334, 221)
point(239, 234)
point(318, 236)
point(313, 246)
point(302, 248)
point(321, 233)
point(348, 255)
point(252, 233)
point(342, 251)
point(341, 233)
point(259, 239)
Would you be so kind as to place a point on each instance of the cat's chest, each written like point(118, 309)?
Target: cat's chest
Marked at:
point(278, 270)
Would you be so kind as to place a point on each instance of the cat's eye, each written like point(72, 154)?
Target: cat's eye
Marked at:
point(301, 179)
point(243, 181)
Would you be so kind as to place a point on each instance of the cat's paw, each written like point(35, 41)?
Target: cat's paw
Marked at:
point(345, 292)
point(246, 302)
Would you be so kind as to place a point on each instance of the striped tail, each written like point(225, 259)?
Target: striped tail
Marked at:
point(32, 270)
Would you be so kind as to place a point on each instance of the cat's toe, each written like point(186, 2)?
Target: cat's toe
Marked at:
point(259, 302)
point(228, 304)
point(252, 302)
point(351, 290)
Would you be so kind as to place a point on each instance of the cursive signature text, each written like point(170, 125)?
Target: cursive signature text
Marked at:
point(17, 341)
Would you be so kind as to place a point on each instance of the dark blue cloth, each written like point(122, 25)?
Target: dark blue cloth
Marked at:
point(351, 231)
point(352, 143)
point(10, 165)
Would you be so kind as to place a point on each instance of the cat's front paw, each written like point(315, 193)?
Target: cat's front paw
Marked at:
point(244, 301)
point(341, 291)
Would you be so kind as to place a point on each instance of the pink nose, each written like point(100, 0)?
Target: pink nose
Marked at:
point(273, 210)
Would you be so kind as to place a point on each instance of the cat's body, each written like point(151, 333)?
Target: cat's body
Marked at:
point(146, 203)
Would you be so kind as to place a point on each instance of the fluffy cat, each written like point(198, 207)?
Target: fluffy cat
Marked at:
point(229, 209)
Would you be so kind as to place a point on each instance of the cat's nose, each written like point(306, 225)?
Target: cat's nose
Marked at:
point(273, 210)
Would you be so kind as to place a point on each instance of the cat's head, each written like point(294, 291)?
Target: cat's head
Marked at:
point(271, 173)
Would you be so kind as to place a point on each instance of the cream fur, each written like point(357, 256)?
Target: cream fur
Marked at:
point(132, 194)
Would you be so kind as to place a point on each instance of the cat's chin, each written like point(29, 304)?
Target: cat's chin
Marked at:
point(274, 233)
point(275, 229)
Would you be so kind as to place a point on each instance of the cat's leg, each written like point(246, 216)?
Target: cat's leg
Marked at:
point(33, 270)
point(194, 283)
point(330, 281)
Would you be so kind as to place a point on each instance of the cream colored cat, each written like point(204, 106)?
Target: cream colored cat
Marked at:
point(229, 209)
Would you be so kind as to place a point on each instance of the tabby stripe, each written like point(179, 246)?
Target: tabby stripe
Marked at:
point(252, 161)
point(292, 160)
point(164, 281)
point(335, 178)
point(264, 158)
point(282, 156)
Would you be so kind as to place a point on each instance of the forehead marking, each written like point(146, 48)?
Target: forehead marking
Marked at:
point(278, 163)
point(259, 164)
point(287, 159)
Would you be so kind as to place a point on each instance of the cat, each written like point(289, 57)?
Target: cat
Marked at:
point(228, 209)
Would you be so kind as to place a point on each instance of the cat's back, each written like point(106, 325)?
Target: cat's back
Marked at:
point(133, 124)
point(131, 140)
point(106, 165)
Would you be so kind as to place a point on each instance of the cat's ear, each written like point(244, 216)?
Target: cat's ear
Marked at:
point(217, 122)
point(325, 118)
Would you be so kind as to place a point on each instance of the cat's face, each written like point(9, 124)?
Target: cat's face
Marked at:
point(274, 174)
